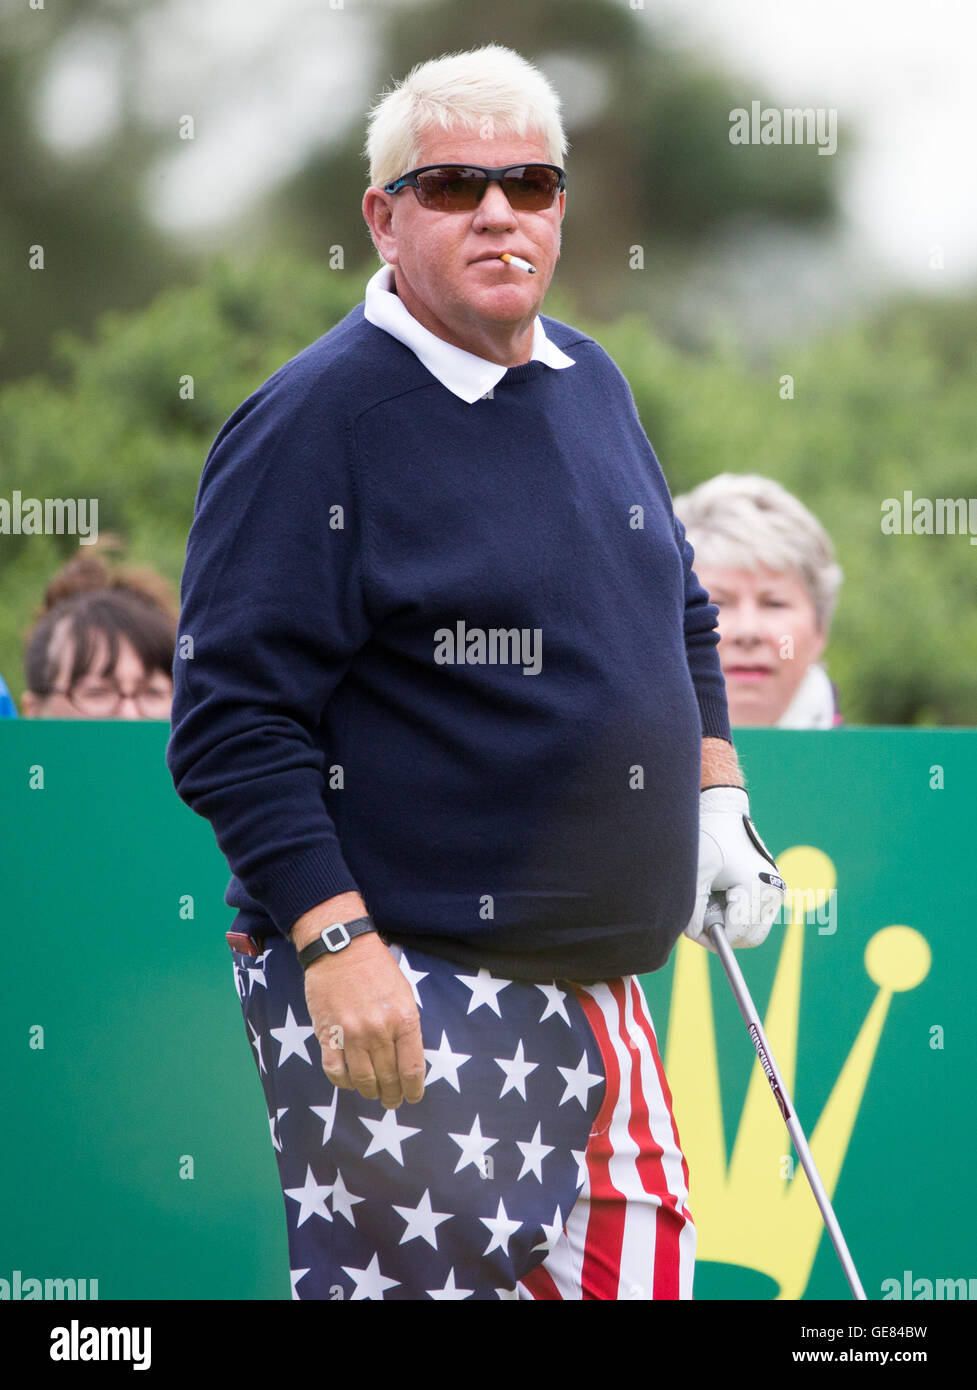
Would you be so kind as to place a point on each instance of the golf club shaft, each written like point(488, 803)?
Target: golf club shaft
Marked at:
point(714, 925)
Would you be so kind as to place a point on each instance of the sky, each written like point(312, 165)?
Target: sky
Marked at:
point(903, 75)
point(264, 83)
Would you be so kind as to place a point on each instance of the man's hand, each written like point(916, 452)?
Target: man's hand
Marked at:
point(735, 861)
point(363, 1012)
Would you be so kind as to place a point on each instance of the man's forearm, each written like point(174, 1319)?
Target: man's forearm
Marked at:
point(720, 765)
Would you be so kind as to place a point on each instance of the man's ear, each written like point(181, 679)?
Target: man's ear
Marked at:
point(378, 215)
point(29, 705)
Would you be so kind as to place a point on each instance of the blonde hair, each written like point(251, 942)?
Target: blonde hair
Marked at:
point(745, 521)
point(491, 89)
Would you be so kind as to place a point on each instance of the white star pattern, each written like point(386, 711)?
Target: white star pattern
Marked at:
point(388, 1135)
point(485, 990)
point(413, 977)
point(291, 1037)
point(474, 1146)
point(554, 1004)
point(442, 1232)
point(533, 1154)
point(370, 1283)
point(579, 1081)
point(501, 1227)
point(256, 972)
point(343, 1201)
point(516, 1070)
point(311, 1198)
point(551, 1233)
point(450, 1293)
point(327, 1114)
point(275, 1133)
point(256, 1044)
point(421, 1221)
point(444, 1063)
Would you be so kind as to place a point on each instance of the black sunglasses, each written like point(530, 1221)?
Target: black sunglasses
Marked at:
point(460, 187)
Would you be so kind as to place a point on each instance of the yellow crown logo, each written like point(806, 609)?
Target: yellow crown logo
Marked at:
point(747, 1213)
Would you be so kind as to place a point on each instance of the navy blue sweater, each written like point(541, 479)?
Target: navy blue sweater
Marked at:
point(453, 656)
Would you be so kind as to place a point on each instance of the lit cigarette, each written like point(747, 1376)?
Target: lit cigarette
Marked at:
point(517, 262)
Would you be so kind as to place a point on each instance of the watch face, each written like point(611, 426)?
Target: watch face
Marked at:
point(334, 938)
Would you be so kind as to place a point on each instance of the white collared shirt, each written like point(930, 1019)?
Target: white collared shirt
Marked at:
point(468, 376)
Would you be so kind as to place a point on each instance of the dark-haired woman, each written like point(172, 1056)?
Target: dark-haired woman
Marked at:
point(102, 647)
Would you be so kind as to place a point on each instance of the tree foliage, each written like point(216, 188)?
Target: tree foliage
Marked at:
point(877, 409)
point(650, 160)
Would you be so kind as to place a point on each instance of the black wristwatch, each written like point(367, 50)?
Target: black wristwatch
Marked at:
point(335, 938)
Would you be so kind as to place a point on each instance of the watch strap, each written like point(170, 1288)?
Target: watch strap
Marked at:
point(335, 938)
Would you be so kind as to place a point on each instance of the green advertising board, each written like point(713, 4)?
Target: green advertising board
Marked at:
point(138, 1153)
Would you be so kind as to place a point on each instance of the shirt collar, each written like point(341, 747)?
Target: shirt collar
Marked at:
point(463, 373)
point(813, 705)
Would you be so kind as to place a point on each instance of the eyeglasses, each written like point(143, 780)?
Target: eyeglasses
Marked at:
point(102, 699)
point(460, 187)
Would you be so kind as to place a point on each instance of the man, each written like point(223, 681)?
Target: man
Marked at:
point(451, 675)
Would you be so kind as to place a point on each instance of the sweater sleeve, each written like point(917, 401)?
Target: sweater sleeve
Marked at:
point(701, 617)
point(272, 614)
point(701, 641)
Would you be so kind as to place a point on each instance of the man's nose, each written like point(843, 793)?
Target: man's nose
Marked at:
point(494, 210)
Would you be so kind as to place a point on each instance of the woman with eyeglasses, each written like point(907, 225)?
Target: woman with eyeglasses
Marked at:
point(102, 647)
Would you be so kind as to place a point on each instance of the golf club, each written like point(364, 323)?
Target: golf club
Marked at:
point(715, 928)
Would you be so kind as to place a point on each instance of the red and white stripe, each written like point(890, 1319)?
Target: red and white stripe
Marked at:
point(630, 1234)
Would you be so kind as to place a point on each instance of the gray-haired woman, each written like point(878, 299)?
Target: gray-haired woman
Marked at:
point(769, 566)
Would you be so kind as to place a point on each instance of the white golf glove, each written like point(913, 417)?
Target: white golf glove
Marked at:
point(734, 861)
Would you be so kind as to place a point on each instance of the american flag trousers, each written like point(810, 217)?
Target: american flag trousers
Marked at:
point(543, 1161)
